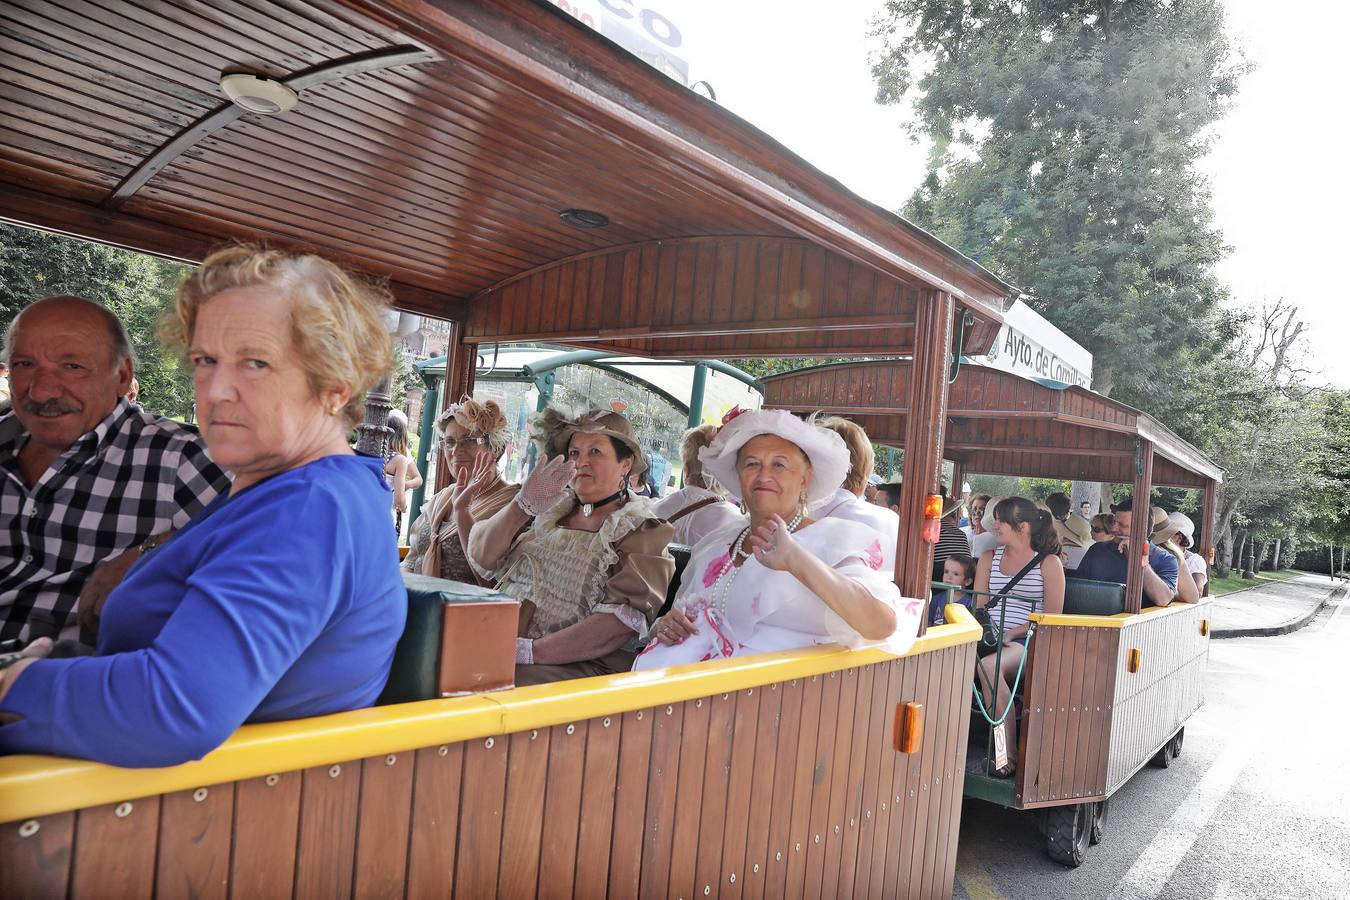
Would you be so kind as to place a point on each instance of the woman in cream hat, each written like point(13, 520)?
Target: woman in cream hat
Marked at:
point(1164, 535)
point(783, 580)
point(585, 557)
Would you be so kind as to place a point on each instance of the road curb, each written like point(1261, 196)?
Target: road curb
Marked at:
point(1275, 630)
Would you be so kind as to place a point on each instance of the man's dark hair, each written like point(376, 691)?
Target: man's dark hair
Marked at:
point(892, 492)
point(1125, 505)
point(1058, 504)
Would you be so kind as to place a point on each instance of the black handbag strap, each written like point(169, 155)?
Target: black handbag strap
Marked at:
point(1007, 588)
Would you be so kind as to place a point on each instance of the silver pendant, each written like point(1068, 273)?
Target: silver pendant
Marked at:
point(587, 509)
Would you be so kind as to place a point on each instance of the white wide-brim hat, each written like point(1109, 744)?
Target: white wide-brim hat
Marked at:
point(1184, 526)
point(826, 450)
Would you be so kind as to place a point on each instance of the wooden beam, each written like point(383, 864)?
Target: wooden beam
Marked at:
point(1140, 523)
point(33, 209)
point(924, 431)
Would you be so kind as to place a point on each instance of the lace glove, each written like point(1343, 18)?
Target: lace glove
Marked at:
point(546, 485)
point(524, 652)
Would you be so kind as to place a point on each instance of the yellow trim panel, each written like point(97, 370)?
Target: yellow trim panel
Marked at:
point(1119, 620)
point(33, 786)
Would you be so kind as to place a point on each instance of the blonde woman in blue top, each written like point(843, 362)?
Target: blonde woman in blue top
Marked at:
point(279, 600)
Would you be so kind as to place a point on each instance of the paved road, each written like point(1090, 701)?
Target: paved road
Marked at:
point(1258, 804)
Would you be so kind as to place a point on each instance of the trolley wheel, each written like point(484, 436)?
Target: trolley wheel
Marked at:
point(1068, 831)
point(1163, 758)
point(1098, 821)
point(1177, 741)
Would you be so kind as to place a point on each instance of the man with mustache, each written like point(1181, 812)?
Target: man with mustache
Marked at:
point(88, 480)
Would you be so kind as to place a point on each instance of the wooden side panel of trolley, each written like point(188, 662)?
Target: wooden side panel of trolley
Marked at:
point(767, 777)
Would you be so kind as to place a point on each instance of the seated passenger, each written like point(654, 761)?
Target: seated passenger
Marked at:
point(589, 565)
point(951, 539)
point(847, 502)
point(958, 570)
point(783, 580)
point(1027, 547)
point(1185, 539)
point(870, 489)
point(700, 507)
point(473, 436)
point(888, 497)
point(1164, 535)
point(86, 477)
point(1107, 560)
point(1075, 534)
point(982, 524)
point(281, 599)
point(1103, 527)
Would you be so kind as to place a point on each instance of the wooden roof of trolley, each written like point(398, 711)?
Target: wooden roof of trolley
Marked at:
point(1000, 423)
point(437, 144)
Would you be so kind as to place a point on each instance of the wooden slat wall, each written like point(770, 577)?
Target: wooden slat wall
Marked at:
point(1067, 720)
point(787, 789)
point(1150, 705)
point(704, 296)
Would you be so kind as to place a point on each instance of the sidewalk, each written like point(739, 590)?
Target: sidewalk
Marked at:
point(1275, 608)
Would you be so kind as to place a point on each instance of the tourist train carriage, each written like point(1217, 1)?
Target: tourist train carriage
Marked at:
point(509, 169)
point(1103, 693)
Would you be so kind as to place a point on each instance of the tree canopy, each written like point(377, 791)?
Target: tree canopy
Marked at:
point(1065, 141)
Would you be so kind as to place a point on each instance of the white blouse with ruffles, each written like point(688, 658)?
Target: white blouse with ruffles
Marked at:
point(769, 610)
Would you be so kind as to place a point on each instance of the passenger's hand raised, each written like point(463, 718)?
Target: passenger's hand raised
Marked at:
point(773, 544)
point(546, 485)
point(469, 483)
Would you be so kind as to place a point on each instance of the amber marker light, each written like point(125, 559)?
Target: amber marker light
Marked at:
point(908, 736)
point(932, 518)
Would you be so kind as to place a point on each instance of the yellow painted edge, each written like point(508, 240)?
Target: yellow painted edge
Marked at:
point(1119, 620)
point(34, 786)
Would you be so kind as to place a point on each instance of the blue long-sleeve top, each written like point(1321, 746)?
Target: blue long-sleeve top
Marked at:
point(280, 602)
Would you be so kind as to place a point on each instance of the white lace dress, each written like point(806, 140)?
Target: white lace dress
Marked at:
point(768, 610)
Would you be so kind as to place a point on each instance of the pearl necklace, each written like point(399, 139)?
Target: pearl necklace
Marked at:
point(722, 586)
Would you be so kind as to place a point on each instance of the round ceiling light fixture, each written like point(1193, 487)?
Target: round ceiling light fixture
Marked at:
point(258, 93)
point(584, 218)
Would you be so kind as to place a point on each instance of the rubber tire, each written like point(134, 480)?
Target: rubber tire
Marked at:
point(1068, 833)
point(1163, 758)
point(1099, 812)
point(1177, 741)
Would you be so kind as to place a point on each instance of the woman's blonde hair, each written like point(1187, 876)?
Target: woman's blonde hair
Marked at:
point(479, 419)
point(338, 333)
point(695, 439)
point(862, 461)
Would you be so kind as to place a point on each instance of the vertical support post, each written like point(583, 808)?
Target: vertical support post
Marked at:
point(1207, 526)
point(696, 394)
point(1140, 524)
point(426, 433)
point(461, 366)
point(925, 430)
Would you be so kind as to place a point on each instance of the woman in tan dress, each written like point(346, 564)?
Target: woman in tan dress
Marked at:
point(474, 436)
point(586, 558)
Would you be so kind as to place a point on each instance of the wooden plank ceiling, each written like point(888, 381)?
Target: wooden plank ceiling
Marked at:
point(999, 423)
point(448, 173)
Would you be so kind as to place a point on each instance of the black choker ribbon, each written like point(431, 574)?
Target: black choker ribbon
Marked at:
point(588, 508)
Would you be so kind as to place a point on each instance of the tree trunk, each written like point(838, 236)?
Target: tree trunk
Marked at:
point(1223, 552)
point(1331, 560)
point(1275, 563)
point(1245, 555)
point(1091, 492)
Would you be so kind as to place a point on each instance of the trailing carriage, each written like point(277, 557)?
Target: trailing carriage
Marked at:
point(1107, 687)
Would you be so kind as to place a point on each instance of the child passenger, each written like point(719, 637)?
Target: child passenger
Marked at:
point(958, 569)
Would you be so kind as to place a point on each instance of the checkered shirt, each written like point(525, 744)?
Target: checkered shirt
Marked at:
point(133, 476)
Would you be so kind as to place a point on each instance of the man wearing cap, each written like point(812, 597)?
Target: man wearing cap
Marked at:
point(951, 539)
point(1108, 560)
point(86, 476)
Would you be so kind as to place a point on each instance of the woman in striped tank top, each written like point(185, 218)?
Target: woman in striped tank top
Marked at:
point(1024, 532)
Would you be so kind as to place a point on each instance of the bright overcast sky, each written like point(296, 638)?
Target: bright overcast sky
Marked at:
point(799, 72)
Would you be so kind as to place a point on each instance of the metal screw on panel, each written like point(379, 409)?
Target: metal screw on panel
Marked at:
point(199, 794)
point(639, 715)
point(698, 704)
point(571, 729)
point(732, 879)
point(271, 780)
point(669, 710)
point(606, 722)
point(707, 889)
point(780, 856)
point(442, 750)
point(777, 857)
point(29, 828)
point(123, 810)
point(489, 743)
point(335, 771)
point(798, 848)
point(750, 693)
